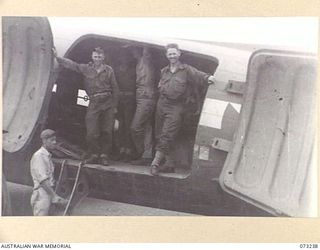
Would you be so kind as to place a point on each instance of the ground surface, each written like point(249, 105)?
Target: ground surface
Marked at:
point(20, 199)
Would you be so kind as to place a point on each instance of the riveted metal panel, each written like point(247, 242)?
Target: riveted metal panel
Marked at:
point(271, 161)
point(27, 62)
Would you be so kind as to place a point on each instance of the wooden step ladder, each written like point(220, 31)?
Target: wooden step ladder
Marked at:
point(71, 185)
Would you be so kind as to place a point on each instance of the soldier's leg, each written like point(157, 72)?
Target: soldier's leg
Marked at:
point(122, 126)
point(93, 133)
point(172, 119)
point(170, 128)
point(159, 155)
point(148, 140)
point(129, 112)
point(107, 121)
point(159, 119)
point(144, 112)
point(169, 164)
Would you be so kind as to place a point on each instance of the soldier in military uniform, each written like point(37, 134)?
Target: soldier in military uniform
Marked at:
point(126, 78)
point(146, 97)
point(102, 89)
point(175, 80)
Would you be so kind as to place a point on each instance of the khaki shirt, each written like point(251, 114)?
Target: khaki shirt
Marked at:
point(94, 81)
point(41, 167)
point(174, 85)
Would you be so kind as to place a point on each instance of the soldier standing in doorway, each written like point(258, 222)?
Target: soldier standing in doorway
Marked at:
point(176, 78)
point(146, 95)
point(102, 89)
point(126, 78)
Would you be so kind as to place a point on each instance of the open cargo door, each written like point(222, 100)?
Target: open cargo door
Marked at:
point(272, 162)
point(27, 64)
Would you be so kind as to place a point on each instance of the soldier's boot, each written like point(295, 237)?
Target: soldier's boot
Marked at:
point(155, 165)
point(104, 159)
point(168, 166)
point(92, 159)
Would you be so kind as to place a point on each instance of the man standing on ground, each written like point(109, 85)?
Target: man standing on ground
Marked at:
point(102, 89)
point(176, 78)
point(42, 169)
point(146, 94)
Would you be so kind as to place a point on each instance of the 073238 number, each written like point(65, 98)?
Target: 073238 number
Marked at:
point(313, 246)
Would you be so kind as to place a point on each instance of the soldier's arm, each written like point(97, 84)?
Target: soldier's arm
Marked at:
point(196, 78)
point(115, 90)
point(67, 63)
point(46, 186)
point(55, 198)
point(199, 77)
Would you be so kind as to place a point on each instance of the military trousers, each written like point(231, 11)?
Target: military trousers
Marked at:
point(169, 116)
point(142, 126)
point(99, 125)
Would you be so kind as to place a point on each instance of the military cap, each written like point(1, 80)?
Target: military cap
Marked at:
point(47, 133)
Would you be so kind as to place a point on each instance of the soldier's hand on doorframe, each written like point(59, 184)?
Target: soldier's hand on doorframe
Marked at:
point(54, 51)
point(211, 80)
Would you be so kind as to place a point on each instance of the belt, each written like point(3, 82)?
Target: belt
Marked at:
point(106, 93)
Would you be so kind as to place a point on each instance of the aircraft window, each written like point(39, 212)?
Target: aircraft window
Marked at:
point(83, 98)
point(54, 89)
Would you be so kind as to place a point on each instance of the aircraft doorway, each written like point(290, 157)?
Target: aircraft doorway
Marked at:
point(69, 100)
